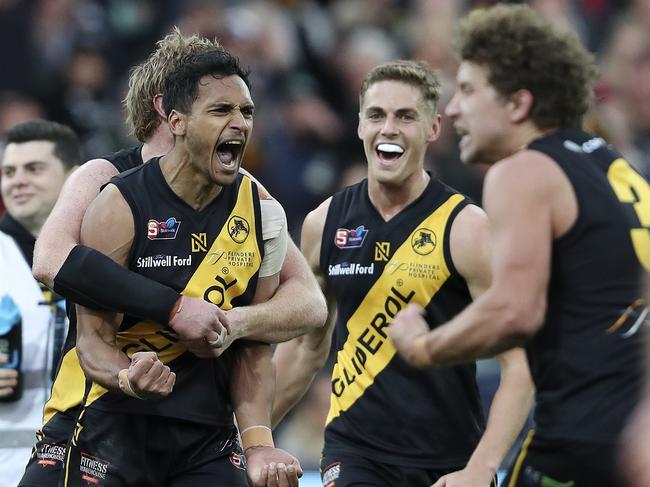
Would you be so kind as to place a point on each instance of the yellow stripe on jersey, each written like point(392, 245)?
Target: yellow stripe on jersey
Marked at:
point(414, 274)
point(234, 249)
point(223, 275)
point(68, 388)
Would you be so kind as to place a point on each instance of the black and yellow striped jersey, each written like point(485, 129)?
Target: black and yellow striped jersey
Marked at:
point(381, 407)
point(69, 383)
point(586, 359)
point(215, 254)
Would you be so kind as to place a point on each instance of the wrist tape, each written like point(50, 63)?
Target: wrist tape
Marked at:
point(258, 435)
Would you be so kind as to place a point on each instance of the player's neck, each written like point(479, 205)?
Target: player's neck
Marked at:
point(389, 199)
point(523, 137)
point(159, 144)
point(190, 186)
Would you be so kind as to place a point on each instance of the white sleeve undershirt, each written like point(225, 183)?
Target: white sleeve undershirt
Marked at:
point(275, 236)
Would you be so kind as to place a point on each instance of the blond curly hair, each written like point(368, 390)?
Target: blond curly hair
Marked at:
point(146, 80)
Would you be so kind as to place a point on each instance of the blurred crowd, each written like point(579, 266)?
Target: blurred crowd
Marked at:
point(68, 61)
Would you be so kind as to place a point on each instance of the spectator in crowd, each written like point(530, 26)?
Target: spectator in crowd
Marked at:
point(38, 157)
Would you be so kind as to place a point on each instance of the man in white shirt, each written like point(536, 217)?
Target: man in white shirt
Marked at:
point(38, 157)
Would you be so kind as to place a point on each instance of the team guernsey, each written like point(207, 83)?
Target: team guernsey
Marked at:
point(60, 412)
point(586, 359)
point(214, 254)
point(380, 407)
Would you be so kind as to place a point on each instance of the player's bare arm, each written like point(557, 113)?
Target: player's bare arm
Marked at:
point(513, 308)
point(99, 356)
point(297, 361)
point(470, 252)
point(297, 307)
point(252, 391)
point(61, 230)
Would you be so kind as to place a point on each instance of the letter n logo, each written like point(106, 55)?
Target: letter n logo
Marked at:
point(199, 242)
point(382, 251)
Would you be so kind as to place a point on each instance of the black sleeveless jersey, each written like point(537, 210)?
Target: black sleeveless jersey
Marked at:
point(586, 359)
point(215, 254)
point(69, 382)
point(381, 407)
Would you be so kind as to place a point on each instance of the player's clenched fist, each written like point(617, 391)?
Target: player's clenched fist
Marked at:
point(147, 377)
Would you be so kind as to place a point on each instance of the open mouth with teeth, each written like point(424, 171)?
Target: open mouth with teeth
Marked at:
point(389, 152)
point(229, 152)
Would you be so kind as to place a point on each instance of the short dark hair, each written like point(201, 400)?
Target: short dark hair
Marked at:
point(522, 50)
point(182, 84)
point(66, 143)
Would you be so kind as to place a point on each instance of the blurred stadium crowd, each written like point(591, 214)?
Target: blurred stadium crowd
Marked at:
point(68, 61)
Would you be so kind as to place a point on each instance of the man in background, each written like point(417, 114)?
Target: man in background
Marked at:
point(38, 158)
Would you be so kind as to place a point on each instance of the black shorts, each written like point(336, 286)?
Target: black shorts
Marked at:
point(563, 464)
point(123, 450)
point(347, 470)
point(48, 454)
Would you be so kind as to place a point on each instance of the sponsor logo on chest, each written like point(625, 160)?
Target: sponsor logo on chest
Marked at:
point(350, 239)
point(166, 230)
point(350, 269)
point(153, 261)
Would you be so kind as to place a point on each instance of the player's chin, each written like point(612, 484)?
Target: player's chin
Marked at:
point(225, 177)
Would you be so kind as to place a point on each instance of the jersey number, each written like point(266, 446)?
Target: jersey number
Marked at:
point(631, 188)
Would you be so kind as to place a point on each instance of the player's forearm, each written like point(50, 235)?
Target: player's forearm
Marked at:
point(252, 384)
point(296, 363)
point(296, 307)
point(510, 408)
point(293, 311)
point(99, 356)
point(488, 326)
point(94, 280)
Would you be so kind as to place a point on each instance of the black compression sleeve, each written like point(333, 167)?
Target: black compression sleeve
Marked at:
point(92, 279)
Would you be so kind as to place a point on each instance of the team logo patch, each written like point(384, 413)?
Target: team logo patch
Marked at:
point(350, 239)
point(331, 473)
point(238, 229)
point(199, 242)
point(382, 251)
point(166, 230)
point(423, 241)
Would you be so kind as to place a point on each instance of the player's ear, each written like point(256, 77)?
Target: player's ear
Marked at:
point(520, 104)
point(158, 105)
point(177, 122)
point(359, 128)
point(436, 126)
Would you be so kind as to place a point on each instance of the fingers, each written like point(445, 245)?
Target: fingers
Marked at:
point(262, 479)
point(8, 380)
point(8, 377)
point(6, 391)
point(290, 476)
point(149, 376)
point(281, 475)
point(272, 477)
point(223, 320)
